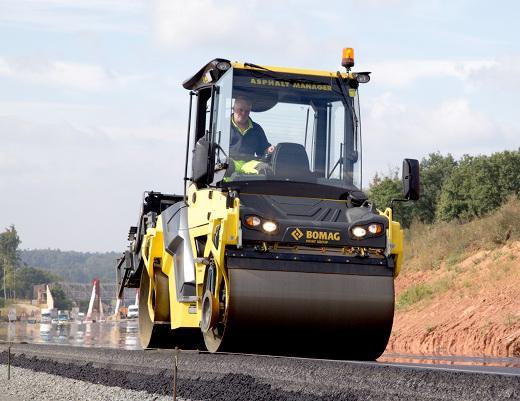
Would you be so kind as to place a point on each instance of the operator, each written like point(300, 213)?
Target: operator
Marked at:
point(247, 140)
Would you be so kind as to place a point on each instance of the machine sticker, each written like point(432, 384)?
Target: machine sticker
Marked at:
point(286, 84)
point(297, 234)
point(311, 236)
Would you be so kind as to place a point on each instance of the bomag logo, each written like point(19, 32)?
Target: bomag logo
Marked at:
point(315, 236)
point(323, 235)
point(297, 234)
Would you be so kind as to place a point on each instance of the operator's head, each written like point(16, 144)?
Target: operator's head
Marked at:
point(241, 110)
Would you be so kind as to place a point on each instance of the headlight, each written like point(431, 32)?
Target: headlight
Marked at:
point(252, 221)
point(375, 228)
point(359, 232)
point(369, 230)
point(269, 226)
point(256, 222)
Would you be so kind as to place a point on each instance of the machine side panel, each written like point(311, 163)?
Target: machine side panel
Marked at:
point(177, 244)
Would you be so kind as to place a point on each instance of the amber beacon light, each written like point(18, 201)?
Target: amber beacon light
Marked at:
point(347, 58)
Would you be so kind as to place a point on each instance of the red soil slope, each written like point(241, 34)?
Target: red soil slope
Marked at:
point(473, 308)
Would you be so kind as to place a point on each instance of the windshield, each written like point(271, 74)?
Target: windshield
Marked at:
point(288, 127)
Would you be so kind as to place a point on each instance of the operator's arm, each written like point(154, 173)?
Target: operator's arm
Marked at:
point(263, 145)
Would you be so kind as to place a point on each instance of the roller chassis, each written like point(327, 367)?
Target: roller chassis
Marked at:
point(219, 254)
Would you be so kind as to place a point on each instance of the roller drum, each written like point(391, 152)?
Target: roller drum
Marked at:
point(315, 314)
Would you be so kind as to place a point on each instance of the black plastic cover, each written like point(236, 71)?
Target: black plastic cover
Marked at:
point(202, 162)
point(411, 182)
point(309, 221)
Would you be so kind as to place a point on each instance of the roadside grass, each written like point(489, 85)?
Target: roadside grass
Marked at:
point(428, 246)
point(502, 271)
point(511, 319)
point(412, 295)
point(442, 246)
point(424, 291)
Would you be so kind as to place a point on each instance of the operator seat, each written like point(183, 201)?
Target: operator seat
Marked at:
point(290, 160)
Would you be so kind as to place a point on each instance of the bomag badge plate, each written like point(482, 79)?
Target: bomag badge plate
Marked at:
point(313, 236)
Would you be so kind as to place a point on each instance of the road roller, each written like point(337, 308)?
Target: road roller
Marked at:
point(273, 248)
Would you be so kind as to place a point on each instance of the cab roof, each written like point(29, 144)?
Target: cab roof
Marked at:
point(210, 73)
point(287, 70)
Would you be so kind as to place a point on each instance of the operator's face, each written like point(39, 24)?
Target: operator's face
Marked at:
point(241, 110)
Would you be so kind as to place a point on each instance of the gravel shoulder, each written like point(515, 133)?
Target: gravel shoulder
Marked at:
point(28, 385)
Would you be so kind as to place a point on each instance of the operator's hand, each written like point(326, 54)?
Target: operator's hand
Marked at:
point(268, 153)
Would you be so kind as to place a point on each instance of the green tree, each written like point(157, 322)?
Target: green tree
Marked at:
point(60, 298)
point(73, 266)
point(450, 189)
point(478, 185)
point(508, 180)
point(9, 260)
point(27, 277)
point(434, 172)
point(385, 188)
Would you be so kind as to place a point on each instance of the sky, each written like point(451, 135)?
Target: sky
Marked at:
point(93, 113)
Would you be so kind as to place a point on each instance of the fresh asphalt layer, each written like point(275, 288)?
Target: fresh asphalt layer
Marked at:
point(203, 376)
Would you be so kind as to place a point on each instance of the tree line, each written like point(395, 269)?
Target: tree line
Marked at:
point(460, 190)
point(20, 270)
point(16, 278)
point(73, 266)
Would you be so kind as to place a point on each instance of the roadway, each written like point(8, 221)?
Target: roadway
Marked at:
point(250, 377)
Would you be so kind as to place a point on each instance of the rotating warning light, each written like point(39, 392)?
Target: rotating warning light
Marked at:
point(347, 58)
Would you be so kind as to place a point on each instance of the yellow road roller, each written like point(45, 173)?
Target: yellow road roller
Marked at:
point(273, 248)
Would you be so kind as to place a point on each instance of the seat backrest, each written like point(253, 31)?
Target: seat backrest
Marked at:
point(290, 160)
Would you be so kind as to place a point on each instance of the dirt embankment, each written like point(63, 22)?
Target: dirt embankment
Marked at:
point(469, 307)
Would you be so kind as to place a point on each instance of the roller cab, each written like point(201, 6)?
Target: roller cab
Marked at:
point(273, 248)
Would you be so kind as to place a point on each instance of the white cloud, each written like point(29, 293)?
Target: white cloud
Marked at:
point(453, 122)
point(244, 30)
point(68, 183)
point(505, 73)
point(450, 124)
point(65, 74)
point(183, 24)
point(396, 128)
point(73, 15)
point(385, 3)
point(405, 72)
point(168, 132)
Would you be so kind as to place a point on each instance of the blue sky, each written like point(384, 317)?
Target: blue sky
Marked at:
point(92, 111)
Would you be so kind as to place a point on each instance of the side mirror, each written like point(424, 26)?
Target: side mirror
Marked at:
point(203, 162)
point(411, 182)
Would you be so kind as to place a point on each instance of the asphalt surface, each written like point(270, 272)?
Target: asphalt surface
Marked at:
point(251, 377)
